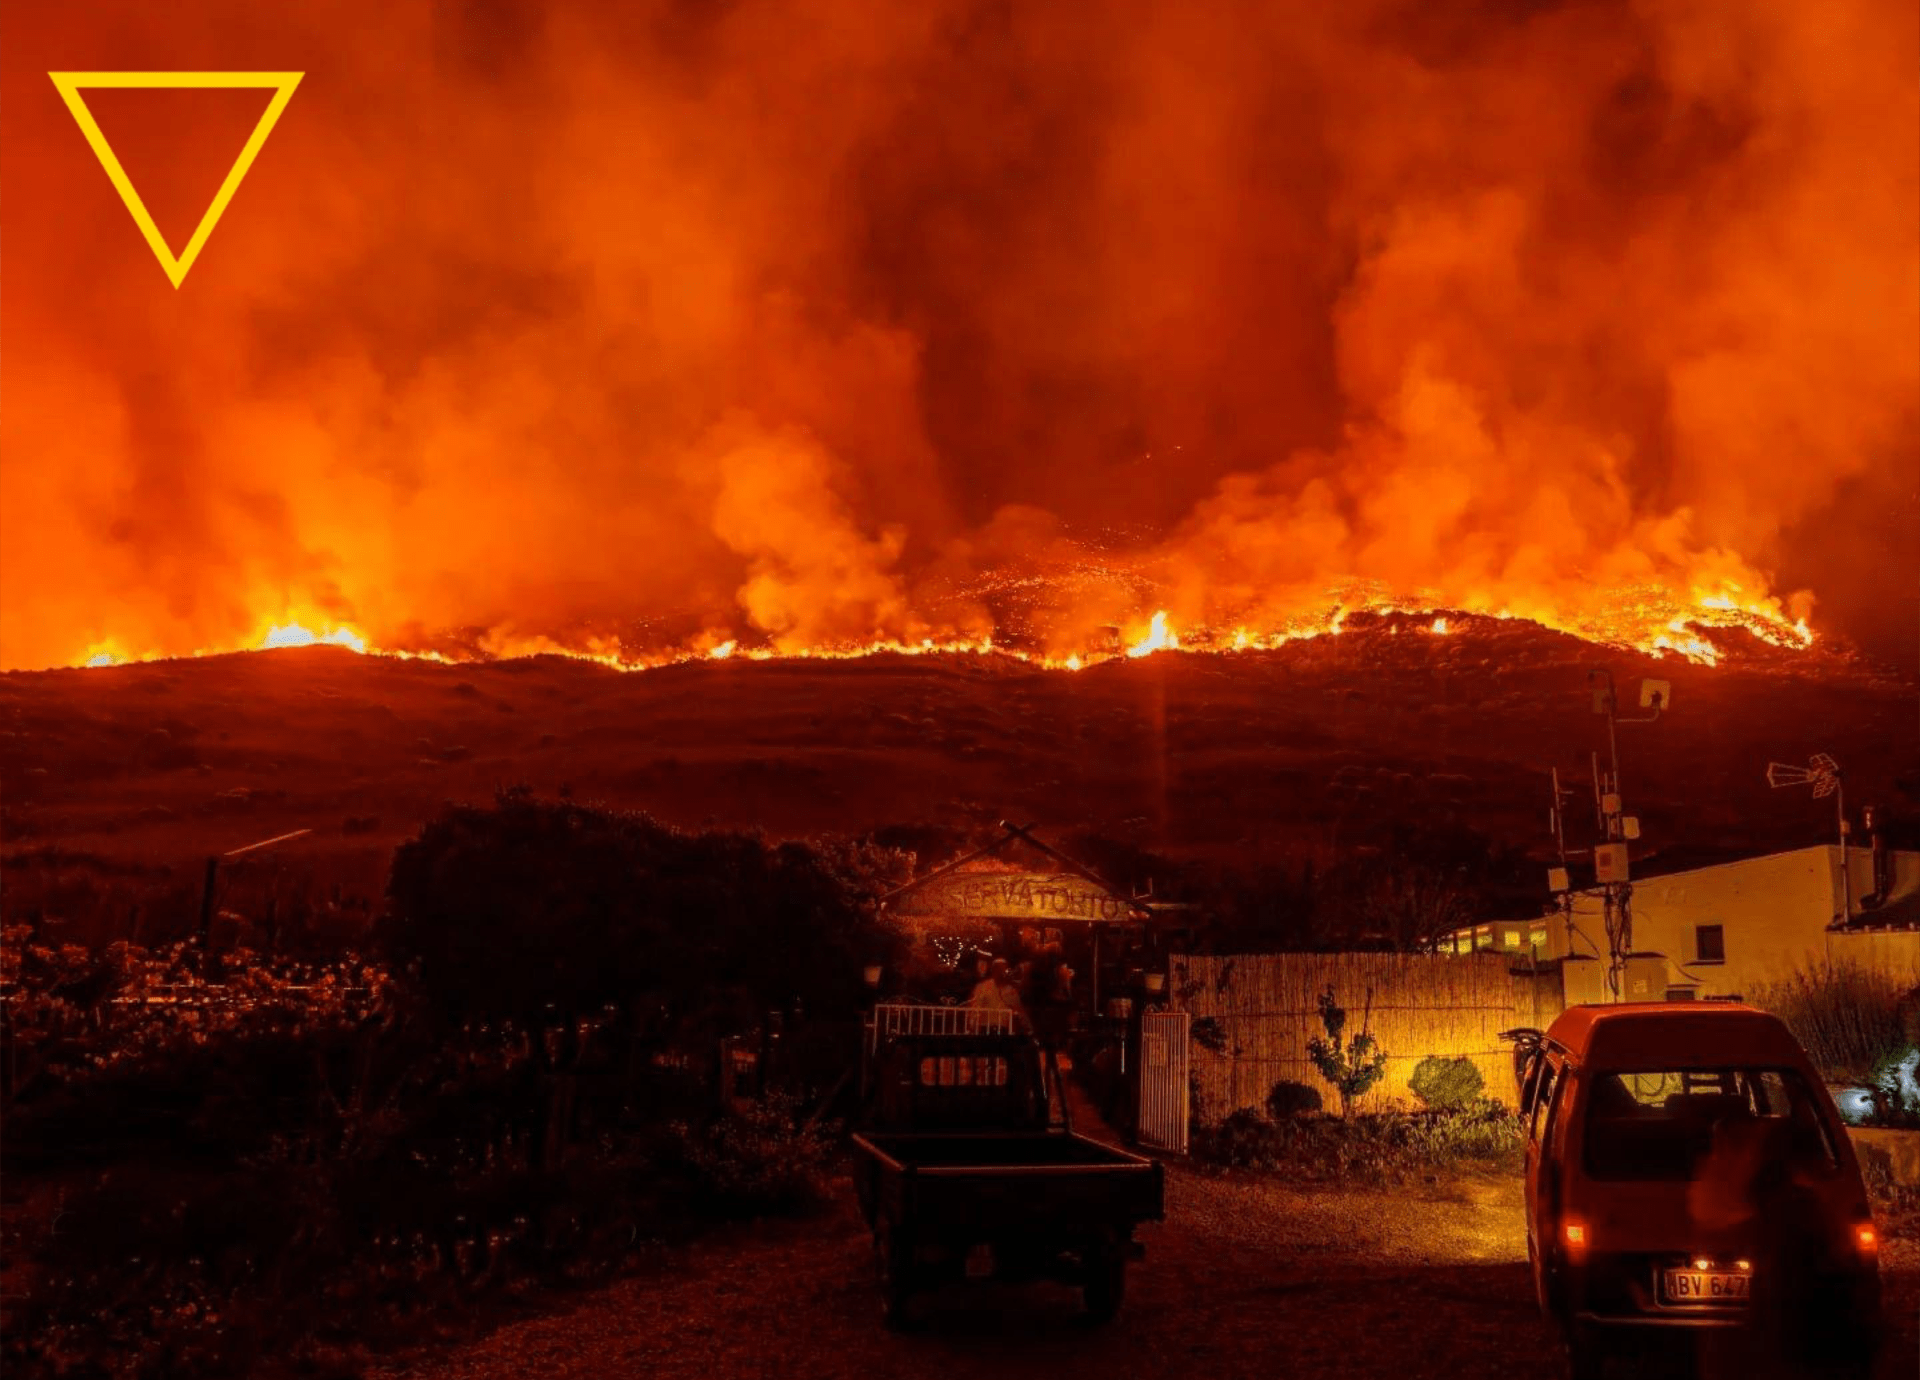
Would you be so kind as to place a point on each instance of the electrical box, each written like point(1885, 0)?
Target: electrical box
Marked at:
point(1610, 862)
point(1557, 880)
point(1656, 694)
point(1610, 803)
point(1630, 827)
point(1643, 977)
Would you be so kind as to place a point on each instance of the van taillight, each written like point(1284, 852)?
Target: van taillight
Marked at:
point(1574, 1232)
point(1865, 1238)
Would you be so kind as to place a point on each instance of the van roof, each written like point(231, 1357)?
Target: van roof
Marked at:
point(1675, 1035)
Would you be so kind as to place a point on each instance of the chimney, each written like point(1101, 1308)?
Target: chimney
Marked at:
point(1882, 863)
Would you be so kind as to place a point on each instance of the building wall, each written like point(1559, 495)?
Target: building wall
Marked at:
point(1774, 914)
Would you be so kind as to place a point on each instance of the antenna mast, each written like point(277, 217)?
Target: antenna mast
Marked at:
point(1610, 869)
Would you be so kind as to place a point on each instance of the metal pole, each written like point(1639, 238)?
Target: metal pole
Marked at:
point(206, 900)
point(1846, 868)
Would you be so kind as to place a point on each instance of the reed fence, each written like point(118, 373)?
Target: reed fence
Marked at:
point(1261, 1009)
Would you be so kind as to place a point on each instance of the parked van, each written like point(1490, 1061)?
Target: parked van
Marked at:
point(1687, 1169)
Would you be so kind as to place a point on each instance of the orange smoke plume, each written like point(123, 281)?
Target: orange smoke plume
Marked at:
point(653, 329)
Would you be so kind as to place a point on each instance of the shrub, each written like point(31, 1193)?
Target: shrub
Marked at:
point(1849, 1019)
point(757, 1160)
point(1245, 1140)
point(1290, 1099)
point(1446, 1084)
point(1364, 1149)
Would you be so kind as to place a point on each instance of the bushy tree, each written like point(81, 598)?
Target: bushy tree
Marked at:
point(1352, 1065)
point(532, 905)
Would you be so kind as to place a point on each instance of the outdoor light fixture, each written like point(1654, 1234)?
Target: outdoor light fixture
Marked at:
point(872, 974)
point(1866, 1237)
point(1156, 981)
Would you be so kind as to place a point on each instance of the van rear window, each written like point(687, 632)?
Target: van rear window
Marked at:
point(1678, 1124)
point(963, 1071)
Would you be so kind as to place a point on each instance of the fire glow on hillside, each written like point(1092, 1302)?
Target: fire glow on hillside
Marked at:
point(1682, 635)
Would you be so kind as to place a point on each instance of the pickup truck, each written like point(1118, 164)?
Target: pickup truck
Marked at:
point(963, 1172)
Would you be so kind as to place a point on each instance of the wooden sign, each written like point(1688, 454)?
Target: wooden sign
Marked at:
point(1014, 896)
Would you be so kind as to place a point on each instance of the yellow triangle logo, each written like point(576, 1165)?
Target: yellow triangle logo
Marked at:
point(70, 84)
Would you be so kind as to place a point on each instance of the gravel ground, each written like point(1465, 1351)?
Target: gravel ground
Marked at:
point(1246, 1277)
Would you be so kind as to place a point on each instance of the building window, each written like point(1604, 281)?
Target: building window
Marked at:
point(1709, 944)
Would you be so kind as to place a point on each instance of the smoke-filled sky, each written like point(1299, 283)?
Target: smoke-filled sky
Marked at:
point(791, 320)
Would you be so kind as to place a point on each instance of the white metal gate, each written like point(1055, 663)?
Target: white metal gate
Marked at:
point(902, 1018)
point(1163, 1080)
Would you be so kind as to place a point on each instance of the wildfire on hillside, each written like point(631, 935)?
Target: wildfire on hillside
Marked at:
point(1684, 633)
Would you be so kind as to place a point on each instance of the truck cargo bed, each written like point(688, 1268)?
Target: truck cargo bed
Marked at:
point(930, 1153)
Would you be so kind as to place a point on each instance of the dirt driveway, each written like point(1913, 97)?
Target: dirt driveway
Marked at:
point(1246, 1278)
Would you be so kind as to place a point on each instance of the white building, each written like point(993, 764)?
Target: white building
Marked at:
point(1730, 929)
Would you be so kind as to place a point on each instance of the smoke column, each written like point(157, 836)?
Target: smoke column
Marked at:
point(797, 322)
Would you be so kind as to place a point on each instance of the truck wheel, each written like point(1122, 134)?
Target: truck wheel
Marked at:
point(1104, 1280)
point(892, 1267)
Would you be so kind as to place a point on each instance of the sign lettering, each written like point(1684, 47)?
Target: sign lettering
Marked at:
point(1015, 896)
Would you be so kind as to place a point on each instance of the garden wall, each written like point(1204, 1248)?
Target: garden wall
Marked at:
point(1265, 1007)
point(1896, 1152)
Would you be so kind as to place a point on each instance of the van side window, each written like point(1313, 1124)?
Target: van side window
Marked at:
point(1546, 1084)
point(1529, 1080)
point(1554, 1097)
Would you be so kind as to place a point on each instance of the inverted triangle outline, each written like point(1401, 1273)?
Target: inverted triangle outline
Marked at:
point(70, 84)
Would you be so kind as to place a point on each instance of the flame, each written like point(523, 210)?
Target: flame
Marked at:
point(1644, 620)
point(1159, 637)
point(299, 635)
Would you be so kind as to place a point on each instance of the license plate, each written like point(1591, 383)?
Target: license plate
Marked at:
point(1706, 1286)
point(980, 1262)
